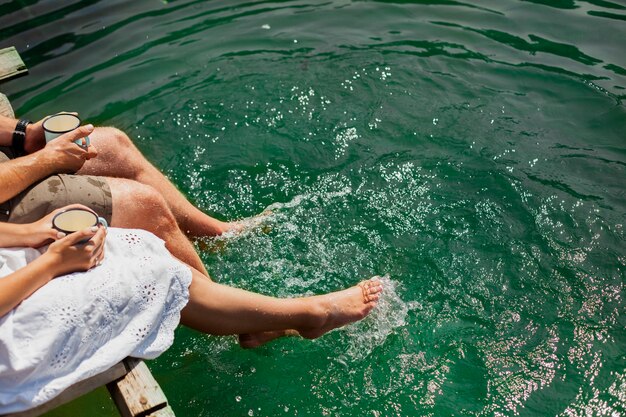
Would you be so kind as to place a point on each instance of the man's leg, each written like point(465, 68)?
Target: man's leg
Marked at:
point(140, 206)
point(123, 203)
point(119, 157)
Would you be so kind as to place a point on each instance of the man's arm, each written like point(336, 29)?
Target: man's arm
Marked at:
point(18, 174)
point(35, 138)
point(7, 125)
point(61, 155)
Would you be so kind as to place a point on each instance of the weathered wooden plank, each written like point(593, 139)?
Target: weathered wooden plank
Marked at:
point(75, 391)
point(11, 64)
point(5, 107)
point(137, 394)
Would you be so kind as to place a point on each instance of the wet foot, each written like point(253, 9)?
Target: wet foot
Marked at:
point(254, 340)
point(243, 225)
point(343, 307)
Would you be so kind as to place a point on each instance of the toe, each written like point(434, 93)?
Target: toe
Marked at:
point(371, 289)
point(374, 289)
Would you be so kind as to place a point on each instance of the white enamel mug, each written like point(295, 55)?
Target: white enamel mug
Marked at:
point(60, 123)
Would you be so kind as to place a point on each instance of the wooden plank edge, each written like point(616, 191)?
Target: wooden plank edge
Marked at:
point(12, 75)
point(11, 64)
point(74, 391)
point(137, 394)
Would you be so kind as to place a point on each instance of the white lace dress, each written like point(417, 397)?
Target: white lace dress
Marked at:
point(81, 324)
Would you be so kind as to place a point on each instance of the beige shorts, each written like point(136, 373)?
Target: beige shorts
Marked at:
point(55, 192)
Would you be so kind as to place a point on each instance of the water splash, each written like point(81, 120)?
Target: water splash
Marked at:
point(365, 336)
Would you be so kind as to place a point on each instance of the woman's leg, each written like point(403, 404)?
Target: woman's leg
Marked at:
point(140, 206)
point(254, 340)
point(221, 310)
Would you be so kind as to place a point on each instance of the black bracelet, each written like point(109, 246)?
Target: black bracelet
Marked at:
point(19, 137)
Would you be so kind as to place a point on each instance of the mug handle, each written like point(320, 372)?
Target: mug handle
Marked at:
point(87, 142)
point(103, 222)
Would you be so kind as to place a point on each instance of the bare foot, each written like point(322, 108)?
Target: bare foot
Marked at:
point(250, 223)
point(254, 340)
point(344, 307)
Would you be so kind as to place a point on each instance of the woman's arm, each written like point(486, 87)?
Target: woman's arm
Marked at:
point(19, 235)
point(63, 256)
point(19, 285)
point(33, 235)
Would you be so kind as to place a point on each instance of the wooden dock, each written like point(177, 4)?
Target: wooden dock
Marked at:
point(11, 64)
point(133, 389)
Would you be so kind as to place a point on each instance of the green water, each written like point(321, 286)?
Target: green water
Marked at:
point(475, 152)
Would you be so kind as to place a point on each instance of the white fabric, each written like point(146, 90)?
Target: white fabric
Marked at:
point(81, 324)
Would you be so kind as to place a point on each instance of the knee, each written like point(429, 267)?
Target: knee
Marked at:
point(116, 148)
point(152, 208)
point(116, 137)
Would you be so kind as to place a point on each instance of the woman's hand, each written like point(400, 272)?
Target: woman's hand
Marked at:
point(63, 257)
point(68, 255)
point(41, 233)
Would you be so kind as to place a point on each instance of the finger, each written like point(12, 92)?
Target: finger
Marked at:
point(102, 254)
point(97, 244)
point(99, 256)
point(79, 236)
point(98, 239)
point(55, 234)
point(92, 152)
point(79, 132)
point(98, 253)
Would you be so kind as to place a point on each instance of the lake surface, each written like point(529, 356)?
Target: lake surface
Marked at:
point(474, 151)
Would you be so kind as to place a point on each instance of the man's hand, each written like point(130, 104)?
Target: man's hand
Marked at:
point(35, 135)
point(64, 155)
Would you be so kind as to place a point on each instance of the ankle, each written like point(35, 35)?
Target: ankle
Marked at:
point(212, 227)
point(317, 313)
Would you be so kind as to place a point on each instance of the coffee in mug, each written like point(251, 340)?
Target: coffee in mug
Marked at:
point(60, 123)
point(73, 220)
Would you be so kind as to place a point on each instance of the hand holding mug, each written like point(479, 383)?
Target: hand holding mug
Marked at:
point(68, 255)
point(42, 232)
point(65, 155)
point(36, 136)
point(61, 123)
